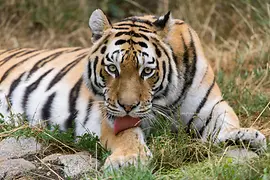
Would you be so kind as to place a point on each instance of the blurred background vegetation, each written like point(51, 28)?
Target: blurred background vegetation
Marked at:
point(235, 35)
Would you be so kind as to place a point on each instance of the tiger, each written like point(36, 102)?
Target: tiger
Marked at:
point(136, 70)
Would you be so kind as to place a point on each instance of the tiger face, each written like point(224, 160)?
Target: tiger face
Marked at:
point(129, 77)
point(128, 66)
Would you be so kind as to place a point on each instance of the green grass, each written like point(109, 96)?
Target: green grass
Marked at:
point(175, 156)
point(60, 141)
point(214, 166)
point(242, 98)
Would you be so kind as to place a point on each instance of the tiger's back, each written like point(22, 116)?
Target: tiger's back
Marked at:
point(47, 85)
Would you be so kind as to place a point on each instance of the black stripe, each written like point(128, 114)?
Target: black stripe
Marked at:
point(120, 28)
point(209, 117)
point(82, 54)
point(157, 77)
point(169, 79)
point(10, 50)
point(104, 41)
point(156, 81)
point(214, 132)
point(151, 62)
point(160, 88)
point(158, 52)
point(108, 58)
point(42, 62)
point(143, 44)
point(111, 109)
point(102, 62)
point(140, 43)
point(28, 52)
point(88, 110)
point(136, 57)
point(103, 49)
point(73, 96)
point(203, 101)
point(122, 33)
point(120, 42)
point(140, 35)
point(32, 87)
point(3, 61)
point(163, 49)
point(190, 69)
point(146, 30)
point(12, 88)
point(142, 111)
point(95, 84)
point(134, 20)
point(5, 75)
point(132, 33)
point(95, 71)
point(76, 49)
point(47, 108)
point(114, 52)
point(103, 78)
point(131, 25)
point(187, 82)
point(89, 70)
point(146, 54)
point(64, 71)
point(193, 69)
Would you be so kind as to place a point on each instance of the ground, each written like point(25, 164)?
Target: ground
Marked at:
point(236, 39)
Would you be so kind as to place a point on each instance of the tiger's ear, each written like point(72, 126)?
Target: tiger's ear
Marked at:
point(98, 23)
point(163, 21)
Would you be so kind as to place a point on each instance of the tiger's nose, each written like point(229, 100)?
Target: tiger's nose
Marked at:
point(128, 107)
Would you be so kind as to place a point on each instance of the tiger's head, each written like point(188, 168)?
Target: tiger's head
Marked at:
point(131, 66)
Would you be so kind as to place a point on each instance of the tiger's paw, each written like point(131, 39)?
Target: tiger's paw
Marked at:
point(249, 136)
point(123, 158)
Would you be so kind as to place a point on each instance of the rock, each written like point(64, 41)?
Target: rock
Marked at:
point(74, 164)
point(54, 158)
point(11, 148)
point(240, 154)
point(13, 167)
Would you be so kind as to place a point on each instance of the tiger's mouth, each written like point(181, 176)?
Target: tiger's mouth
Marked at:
point(125, 122)
point(122, 120)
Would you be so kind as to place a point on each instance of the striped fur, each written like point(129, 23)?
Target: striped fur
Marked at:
point(140, 66)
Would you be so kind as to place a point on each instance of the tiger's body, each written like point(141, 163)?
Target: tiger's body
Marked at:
point(137, 68)
point(39, 83)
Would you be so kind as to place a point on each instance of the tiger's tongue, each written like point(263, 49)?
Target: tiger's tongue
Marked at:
point(126, 122)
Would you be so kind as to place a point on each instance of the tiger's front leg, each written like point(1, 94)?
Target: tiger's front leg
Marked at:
point(128, 147)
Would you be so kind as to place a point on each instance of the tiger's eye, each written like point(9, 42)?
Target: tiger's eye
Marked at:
point(112, 68)
point(147, 71)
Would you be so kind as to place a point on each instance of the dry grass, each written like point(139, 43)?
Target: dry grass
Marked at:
point(44, 24)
